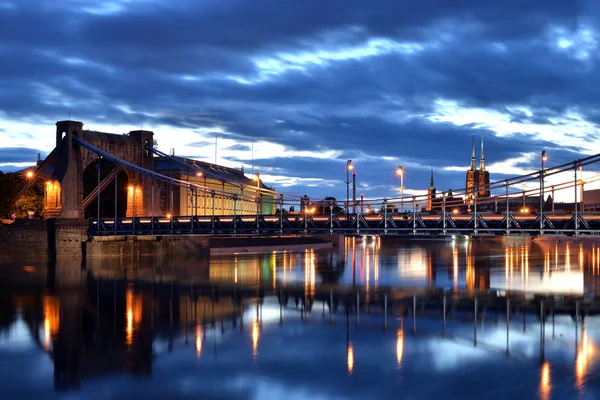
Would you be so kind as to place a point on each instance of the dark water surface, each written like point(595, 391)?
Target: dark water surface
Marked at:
point(122, 328)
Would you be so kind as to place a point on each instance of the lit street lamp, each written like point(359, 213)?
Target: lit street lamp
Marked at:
point(400, 171)
point(544, 158)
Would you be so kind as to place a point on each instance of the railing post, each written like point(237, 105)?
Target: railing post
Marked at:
point(331, 217)
point(116, 196)
point(414, 201)
point(444, 212)
point(385, 216)
point(98, 189)
point(541, 213)
point(507, 211)
point(212, 221)
point(305, 220)
point(257, 217)
point(235, 199)
point(280, 214)
point(475, 222)
point(575, 201)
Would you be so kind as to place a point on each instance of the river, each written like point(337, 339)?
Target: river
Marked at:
point(164, 327)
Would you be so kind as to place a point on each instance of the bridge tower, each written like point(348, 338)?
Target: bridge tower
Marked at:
point(64, 191)
point(68, 173)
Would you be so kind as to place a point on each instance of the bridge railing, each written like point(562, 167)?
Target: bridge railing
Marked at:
point(428, 224)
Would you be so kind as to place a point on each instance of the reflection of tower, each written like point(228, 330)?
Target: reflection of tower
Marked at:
point(430, 193)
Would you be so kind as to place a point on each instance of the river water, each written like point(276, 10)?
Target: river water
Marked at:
point(118, 328)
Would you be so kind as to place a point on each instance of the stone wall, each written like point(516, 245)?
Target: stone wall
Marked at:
point(24, 239)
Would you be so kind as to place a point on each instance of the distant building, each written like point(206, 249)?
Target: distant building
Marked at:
point(218, 179)
point(591, 200)
point(431, 193)
point(478, 180)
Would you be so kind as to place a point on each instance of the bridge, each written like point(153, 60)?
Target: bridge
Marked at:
point(125, 186)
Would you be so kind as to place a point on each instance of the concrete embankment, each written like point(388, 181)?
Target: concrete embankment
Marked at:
point(68, 238)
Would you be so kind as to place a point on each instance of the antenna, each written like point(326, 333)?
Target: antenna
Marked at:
point(216, 137)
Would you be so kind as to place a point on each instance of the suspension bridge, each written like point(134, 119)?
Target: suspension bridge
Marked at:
point(191, 203)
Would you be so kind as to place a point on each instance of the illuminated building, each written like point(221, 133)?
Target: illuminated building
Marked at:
point(430, 193)
point(478, 180)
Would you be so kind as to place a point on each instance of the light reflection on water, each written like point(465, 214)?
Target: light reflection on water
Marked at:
point(85, 331)
point(532, 266)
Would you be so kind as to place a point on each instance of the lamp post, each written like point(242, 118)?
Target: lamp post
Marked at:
point(544, 158)
point(199, 174)
point(257, 179)
point(400, 172)
point(349, 167)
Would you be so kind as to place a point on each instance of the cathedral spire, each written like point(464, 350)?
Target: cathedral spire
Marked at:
point(431, 178)
point(473, 166)
point(482, 161)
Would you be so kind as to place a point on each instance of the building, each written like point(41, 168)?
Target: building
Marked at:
point(431, 192)
point(591, 200)
point(478, 179)
point(252, 194)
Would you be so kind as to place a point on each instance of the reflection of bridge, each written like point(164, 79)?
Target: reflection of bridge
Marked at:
point(106, 320)
point(230, 203)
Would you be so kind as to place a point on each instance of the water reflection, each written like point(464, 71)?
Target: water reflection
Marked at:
point(545, 385)
point(198, 340)
point(350, 357)
point(399, 346)
point(105, 324)
point(584, 357)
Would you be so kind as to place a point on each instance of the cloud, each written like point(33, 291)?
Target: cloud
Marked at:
point(387, 85)
point(15, 155)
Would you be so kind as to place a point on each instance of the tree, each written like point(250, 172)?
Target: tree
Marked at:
point(9, 186)
point(31, 200)
point(322, 206)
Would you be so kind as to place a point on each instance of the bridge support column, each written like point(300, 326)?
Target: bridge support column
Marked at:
point(444, 213)
point(385, 217)
point(414, 232)
point(67, 177)
point(575, 201)
point(507, 210)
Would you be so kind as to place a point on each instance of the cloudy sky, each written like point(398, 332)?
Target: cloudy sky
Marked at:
point(310, 84)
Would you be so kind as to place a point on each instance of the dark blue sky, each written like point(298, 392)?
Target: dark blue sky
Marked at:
point(311, 83)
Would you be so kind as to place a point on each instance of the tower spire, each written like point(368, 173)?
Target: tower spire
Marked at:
point(473, 166)
point(431, 178)
point(482, 161)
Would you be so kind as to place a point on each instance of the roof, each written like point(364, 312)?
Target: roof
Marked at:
point(214, 171)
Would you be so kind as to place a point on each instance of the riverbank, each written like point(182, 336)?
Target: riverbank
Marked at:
point(69, 238)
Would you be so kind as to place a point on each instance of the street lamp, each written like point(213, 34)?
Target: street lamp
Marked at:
point(544, 158)
point(29, 174)
point(400, 172)
point(349, 167)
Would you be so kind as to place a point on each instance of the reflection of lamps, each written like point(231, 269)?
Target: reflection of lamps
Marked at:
point(350, 357)
point(399, 346)
point(198, 340)
point(255, 336)
point(545, 381)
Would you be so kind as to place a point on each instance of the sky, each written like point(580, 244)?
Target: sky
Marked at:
point(293, 89)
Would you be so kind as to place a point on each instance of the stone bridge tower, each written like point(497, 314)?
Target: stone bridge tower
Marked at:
point(64, 170)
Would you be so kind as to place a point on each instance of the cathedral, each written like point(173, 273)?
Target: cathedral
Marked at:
point(478, 180)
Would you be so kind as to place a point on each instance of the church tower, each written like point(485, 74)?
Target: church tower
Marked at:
point(483, 176)
point(472, 181)
point(430, 193)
